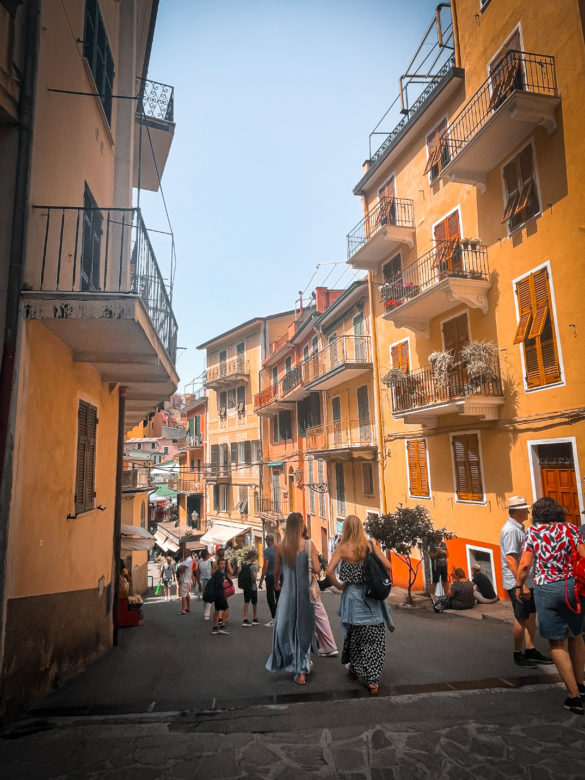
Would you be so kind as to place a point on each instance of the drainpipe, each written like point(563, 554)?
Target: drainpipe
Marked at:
point(377, 407)
point(455, 33)
point(118, 511)
point(8, 373)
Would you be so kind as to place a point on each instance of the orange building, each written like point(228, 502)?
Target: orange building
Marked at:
point(472, 233)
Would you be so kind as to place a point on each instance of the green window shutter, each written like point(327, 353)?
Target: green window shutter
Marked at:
point(191, 428)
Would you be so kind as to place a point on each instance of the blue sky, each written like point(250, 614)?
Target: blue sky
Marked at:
point(274, 103)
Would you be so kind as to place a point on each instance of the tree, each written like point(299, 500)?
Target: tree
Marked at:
point(404, 530)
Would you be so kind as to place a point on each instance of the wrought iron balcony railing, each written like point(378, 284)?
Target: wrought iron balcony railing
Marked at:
point(448, 259)
point(387, 211)
point(194, 440)
point(133, 479)
point(217, 470)
point(292, 379)
point(264, 397)
point(234, 368)
point(344, 350)
point(156, 100)
point(341, 434)
point(423, 388)
point(519, 70)
point(98, 250)
point(277, 507)
point(189, 485)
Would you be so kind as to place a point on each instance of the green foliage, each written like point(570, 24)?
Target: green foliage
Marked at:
point(237, 556)
point(405, 530)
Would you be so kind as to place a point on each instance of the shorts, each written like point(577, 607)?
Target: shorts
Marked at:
point(221, 604)
point(522, 609)
point(440, 573)
point(250, 595)
point(184, 589)
point(555, 619)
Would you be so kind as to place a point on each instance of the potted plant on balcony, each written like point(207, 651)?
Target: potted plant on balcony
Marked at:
point(395, 377)
point(480, 361)
point(441, 364)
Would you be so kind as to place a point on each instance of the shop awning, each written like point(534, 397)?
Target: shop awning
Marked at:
point(135, 538)
point(222, 532)
point(166, 544)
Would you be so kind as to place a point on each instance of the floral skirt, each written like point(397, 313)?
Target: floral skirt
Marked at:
point(365, 649)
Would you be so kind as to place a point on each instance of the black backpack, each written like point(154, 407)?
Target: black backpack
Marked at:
point(378, 583)
point(209, 592)
point(245, 577)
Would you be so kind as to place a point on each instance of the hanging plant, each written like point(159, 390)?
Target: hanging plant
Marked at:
point(441, 364)
point(395, 377)
point(480, 361)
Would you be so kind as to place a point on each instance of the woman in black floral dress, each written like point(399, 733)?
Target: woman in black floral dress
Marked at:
point(362, 618)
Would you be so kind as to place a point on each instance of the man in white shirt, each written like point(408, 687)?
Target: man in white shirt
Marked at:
point(511, 541)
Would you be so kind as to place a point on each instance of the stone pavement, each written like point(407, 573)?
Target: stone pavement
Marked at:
point(487, 734)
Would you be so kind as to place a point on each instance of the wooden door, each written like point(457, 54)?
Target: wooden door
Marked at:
point(560, 482)
point(456, 335)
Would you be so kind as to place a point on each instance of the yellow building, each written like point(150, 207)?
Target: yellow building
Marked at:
point(472, 232)
point(233, 450)
point(89, 331)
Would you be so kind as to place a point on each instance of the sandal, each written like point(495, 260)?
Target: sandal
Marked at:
point(300, 679)
point(373, 689)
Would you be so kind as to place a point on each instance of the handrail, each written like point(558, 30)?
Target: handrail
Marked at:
point(156, 100)
point(448, 259)
point(233, 367)
point(343, 350)
point(102, 250)
point(292, 379)
point(423, 387)
point(386, 211)
point(354, 432)
point(518, 71)
point(264, 397)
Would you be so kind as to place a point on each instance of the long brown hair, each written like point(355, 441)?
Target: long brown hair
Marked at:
point(353, 534)
point(292, 534)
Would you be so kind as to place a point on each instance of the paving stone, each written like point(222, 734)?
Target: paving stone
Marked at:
point(384, 774)
point(257, 754)
point(220, 765)
point(384, 758)
point(459, 735)
point(524, 757)
point(426, 741)
point(488, 747)
point(457, 755)
point(552, 733)
point(511, 769)
point(539, 773)
point(304, 757)
point(379, 740)
point(346, 759)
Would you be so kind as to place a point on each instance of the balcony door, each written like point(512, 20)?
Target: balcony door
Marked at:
point(363, 414)
point(506, 71)
point(455, 337)
point(333, 349)
point(91, 243)
point(386, 199)
point(359, 330)
point(448, 257)
point(336, 419)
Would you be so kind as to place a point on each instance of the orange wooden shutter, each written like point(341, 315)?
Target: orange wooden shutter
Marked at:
point(435, 149)
point(447, 234)
point(512, 190)
point(525, 307)
point(400, 356)
point(467, 467)
point(541, 299)
point(417, 467)
point(456, 334)
point(504, 69)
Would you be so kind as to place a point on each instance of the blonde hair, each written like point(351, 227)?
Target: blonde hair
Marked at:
point(292, 534)
point(353, 534)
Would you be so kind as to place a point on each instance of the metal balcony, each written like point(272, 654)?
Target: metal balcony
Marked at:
point(387, 225)
point(345, 358)
point(190, 486)
point(272, 509)
point(518, 96)
point(153, 133)
point(219, 474)
point(343, 440)
point(268, 401)
point(422, 397)
point(451, 273)
point(227, 373)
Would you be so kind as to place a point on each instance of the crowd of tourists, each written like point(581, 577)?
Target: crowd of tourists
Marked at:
point(543, 570)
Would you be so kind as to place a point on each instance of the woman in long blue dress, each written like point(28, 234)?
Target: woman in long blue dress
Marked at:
point(362, 618)
point(293, 638)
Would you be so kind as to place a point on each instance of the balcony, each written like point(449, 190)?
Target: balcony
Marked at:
point(219, 474)
point(189, 485)
point(94, 281)
point(272, 509)
point(386, 227)
point(193, 441)
point(227, 373)
point(451, 273)
point(343, 440)
point(292, 385)
point(153, 133)
point(268, 401)
point(345, 358)
point(421, 398)
point(135, 479)
point(518, 96)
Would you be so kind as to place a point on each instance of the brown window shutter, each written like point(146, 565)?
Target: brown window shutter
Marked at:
point(85, 467)
point(474, 466)
point(417, 467)
point(395, 355)
point(541, 299)
point(467, 467)
point(400, 356)
point(525, 307)
point(456, 334)
point(461, 480)
point(512, 190)
point(435, 147)
point(446, 237)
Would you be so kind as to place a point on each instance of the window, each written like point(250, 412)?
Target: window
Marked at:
point(139, 446)
point(214, 458)
point(143, 515)
point(231, 398)
point(166, 450)
point(315, 345)
point(438, 153)
point(506, 71)
point(153, 446)
point(456, 335)
point(305, 352)
point(368, 479)
point(223, 401)
point(288, 365)
point(363, 404)
point(536, 330)
point(234, 452)
point(216, 498)
point(310, 480)
point(392, 269)
point(247, 452)
point(91, 242)
point(192, 465)
point(85, 470)
point(274, 375)
point(223, 498)
point(521, 196)
point(197, 425)
point(223, 356)
point(418, 468)
point(191, 426)
point(320, 480)
point(340, 489)
point(308, 413)
point(256, 451)
point(241, 349)
point(466, 458)
point(448, 256)
point(241, 399)
point(282, 427)
point(399, 355)
point(96, 49)
point(242, 505)
point(386, 199)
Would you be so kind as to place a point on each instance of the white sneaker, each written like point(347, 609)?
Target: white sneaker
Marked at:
point(269, 624)
point(205, 617)
point(330, 654)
